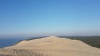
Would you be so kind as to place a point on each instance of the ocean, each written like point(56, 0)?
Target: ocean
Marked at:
point(5, 42)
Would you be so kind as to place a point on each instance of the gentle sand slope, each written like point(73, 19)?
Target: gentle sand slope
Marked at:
point(51, 46)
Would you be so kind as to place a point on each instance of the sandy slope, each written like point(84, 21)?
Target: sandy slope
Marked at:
point(51, 46)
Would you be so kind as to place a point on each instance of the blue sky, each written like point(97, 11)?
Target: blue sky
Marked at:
point(49, 17)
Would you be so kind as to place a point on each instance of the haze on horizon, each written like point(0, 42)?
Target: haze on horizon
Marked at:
point(49, 17)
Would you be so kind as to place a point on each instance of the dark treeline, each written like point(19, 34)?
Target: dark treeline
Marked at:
point(35, 38)
point(93, 41)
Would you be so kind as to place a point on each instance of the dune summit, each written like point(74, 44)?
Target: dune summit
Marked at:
point(51, 46)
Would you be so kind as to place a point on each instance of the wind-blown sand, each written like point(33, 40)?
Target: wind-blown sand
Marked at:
point(51, 46)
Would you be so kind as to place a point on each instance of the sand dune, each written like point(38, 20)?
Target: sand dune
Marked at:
point(51, 46)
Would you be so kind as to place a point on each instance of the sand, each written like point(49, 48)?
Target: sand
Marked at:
point(50, 46)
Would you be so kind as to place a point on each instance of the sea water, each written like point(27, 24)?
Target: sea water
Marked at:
point(5, 42)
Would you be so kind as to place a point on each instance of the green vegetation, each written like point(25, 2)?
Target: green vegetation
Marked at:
point(93, 41)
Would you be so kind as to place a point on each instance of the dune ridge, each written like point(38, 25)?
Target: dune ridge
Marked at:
point(51, 46)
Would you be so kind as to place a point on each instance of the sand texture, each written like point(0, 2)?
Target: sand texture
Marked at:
point(50, 46)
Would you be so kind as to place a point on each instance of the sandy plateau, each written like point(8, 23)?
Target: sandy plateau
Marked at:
point(50, 46)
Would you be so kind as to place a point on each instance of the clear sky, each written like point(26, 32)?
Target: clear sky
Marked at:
point(49, 17)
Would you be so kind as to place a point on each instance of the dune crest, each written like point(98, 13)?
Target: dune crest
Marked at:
point(55, 46)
